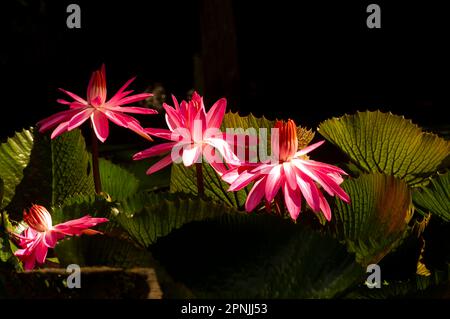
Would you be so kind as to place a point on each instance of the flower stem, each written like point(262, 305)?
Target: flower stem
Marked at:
point(200, 185)
point(95, 166)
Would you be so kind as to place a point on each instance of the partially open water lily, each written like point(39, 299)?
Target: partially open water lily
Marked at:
point(292, 173)
point(193, 133)
point(41, 235)
point(98, 110)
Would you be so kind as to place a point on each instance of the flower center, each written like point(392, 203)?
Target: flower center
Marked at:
point(97, 89)
point(38, 218)
point(287, 140)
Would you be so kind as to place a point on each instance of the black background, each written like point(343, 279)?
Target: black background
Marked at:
point(306, 61)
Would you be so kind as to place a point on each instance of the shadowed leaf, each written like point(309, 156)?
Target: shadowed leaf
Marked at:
point(435, 198)
point(377, 218)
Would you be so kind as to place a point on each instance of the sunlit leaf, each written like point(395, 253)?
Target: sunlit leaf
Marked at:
point(385, 143)
point(72, 173)
point(47, 172)
point(2, 190)
point(52, 170)
point(14, 157)
point(117, 181)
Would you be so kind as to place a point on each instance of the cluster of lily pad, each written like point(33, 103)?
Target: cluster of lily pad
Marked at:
point(395, 176)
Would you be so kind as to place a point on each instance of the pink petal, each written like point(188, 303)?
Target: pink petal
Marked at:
point(51, 238)
point(172, 118)
point(56, 119)
point(197, 128)
point(224, 149)
point(120, 118)
point(243, 180)
point(309, 191)
point(100, 125)
point(96, 91)
point(133, 98)
point(230, 176)
point(29, 263)
point(293, 200)
point(324, 207)
point(62, 101)
point(120, 93)
point(256, 195)
point(138, 129)
point(127, 83)
point(28, 255)
point(308, 149)
point(263, 168)
point(245, 145)
point(79, 118)
point(167, 160)
point(75, 97)
point(127, 121)
point(82, 222)
point(163, 133)
point(324, 180)
point(214, 132)
point(175, 103)
point(60, 129)
point(30, 233)
point(196, 97)
point(77, 226)
point(337, 178)
point(290, 175)
point(215, 115)
point(323, 166)
point(184, 108)
point(196, 117)
point(234, 171)
point(21, 253)
point(191, 154)
point(97, 101)
point(218, 166)
point(114, 100)
point(275, 143)
point(329, 184)
point(133, 109)
point(77, 105)
point(273, 184)
point(41, 251)
point(154, 150)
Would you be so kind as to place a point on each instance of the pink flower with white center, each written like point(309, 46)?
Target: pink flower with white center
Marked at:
point(293, 174)
point(193, 133)
point(98, 110)
point(42, 235)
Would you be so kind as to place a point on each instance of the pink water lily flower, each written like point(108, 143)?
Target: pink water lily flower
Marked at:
point(42, 235)
point(193, 133)
point(98, 110)
point(292, 173)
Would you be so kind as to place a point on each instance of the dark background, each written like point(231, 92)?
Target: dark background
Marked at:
point(306, 61)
